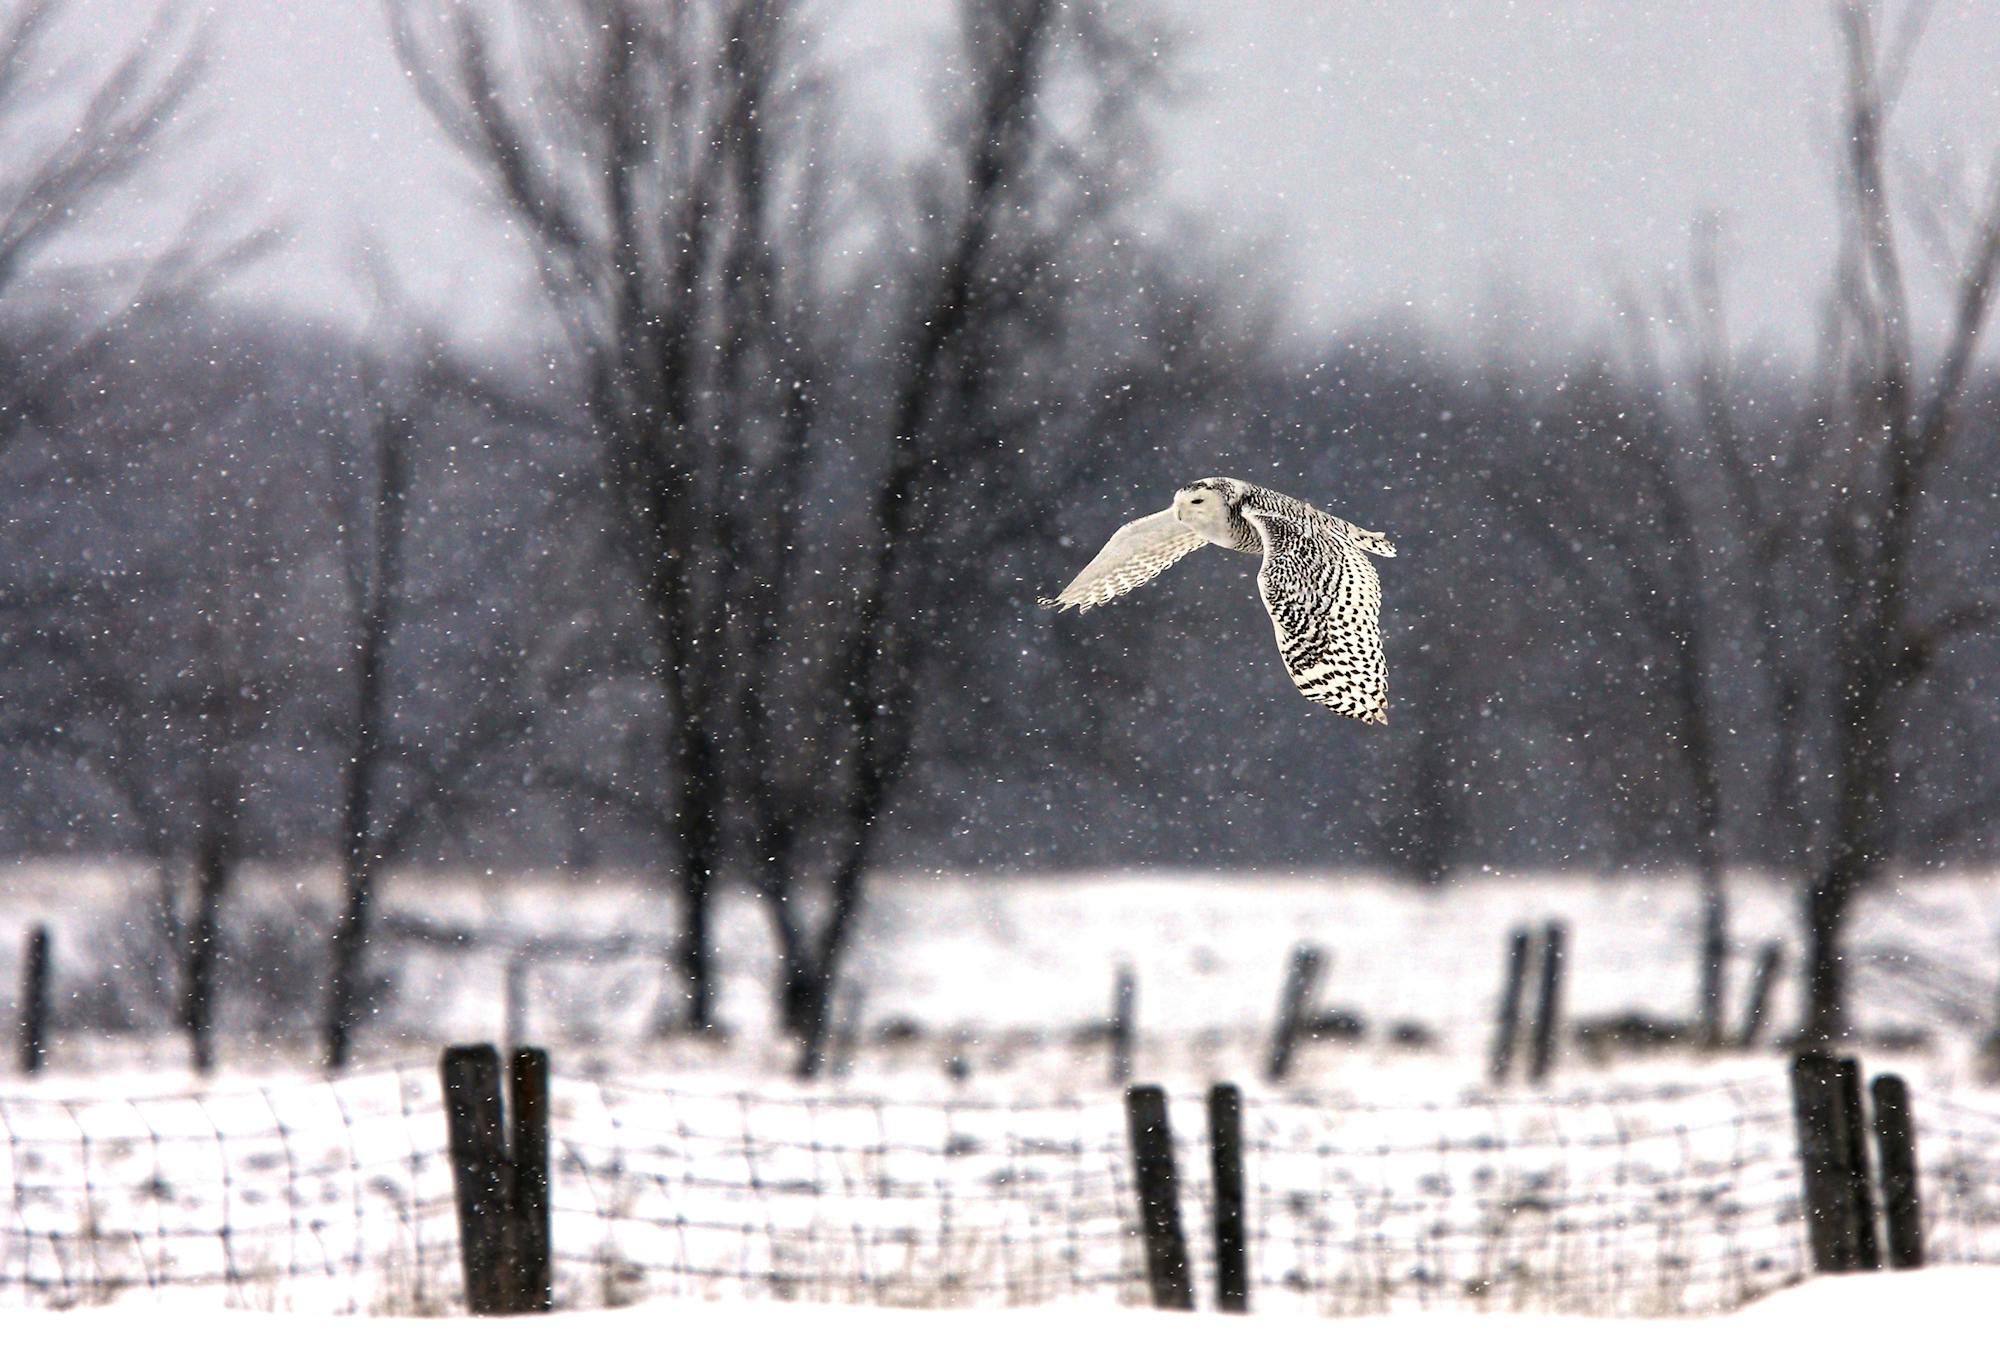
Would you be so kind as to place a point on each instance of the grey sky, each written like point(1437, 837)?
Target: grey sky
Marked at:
point(1377, 156)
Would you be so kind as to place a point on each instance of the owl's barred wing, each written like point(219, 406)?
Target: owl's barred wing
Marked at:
point(1326, 605)
point(1136, 553)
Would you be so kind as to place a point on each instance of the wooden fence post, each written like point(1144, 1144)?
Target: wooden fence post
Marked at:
point(500, 1174)
point(1294, 1009)
point(1124, 1023)
point(1507, 1028)
point(35, 1002)
point(514, 1000)
point(1896, 1154)
point(479, 1172)
point(1770, 960)
point(1159, 1198)
point(1548, 1001)
point(1225, 1148)
point(1867, 1245)
point(1825, 1175)
point(532, 1265)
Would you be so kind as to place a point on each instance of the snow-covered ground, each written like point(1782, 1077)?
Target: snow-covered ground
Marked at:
point(1862, 1318)
point(1006, 972)
point(973, 1154)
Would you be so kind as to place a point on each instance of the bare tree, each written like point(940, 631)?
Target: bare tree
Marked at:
point(609, 130)
point(1880, 427)
point(1814, 524)
point(398, 777)
point(673, 170)
point(66, 147)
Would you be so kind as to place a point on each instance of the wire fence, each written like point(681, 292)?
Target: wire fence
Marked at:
point(307, 1195)
point(338, 1195)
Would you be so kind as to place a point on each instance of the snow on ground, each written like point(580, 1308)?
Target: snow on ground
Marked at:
point(973, 1154)
point(1005, 972)
point(1858, 1318)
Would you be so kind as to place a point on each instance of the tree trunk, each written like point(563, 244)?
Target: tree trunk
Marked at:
point(350, 938)
point(1827, 903)
point(693, 951)
point(1714, 986)
point(211, 876)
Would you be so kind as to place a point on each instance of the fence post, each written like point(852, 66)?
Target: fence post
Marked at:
point(1507, 1028)
point(514, 1000)
point(1896, 1154)
point(532, 1266)
point(1825, 1175)
point(1225, 1149)
point(1124, 1013)
point(1294, 1009)
point(1548, 1001)
point(35, 1002)
point(1159, 1198)
point(1860, 1181)
point(480, 1173)
point(1770, 960)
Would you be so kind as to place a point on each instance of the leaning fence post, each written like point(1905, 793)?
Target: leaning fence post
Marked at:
point(1225, 1150)
point(1507, 1029)
point(1825, 1175)
point(35, 1002)
point(479, 1171)
point(1548, 1001)
point(1159, 1198)
point(1896, 1153)
point(1769, 961)
point(528, 1095)
point(1294, 1009)
point(1867, 1245)
point(1124, 1011)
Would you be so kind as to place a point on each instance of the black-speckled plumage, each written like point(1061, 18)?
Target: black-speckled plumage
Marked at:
point(1317, 583)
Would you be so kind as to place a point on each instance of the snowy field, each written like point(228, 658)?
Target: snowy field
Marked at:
point(1008, 974)
point(1867, 1318)
point(1385, 1176)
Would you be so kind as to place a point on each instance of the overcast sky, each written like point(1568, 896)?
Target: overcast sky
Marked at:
point(1377, 156)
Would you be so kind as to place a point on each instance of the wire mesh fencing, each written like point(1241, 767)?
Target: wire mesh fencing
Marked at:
point(1958, 1161)
point(863, 1200)
point(307, 1195)
point(1672, 1201)
point(339, 1196)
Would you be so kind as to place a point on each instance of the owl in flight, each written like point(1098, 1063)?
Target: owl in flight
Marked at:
point(1319, 587)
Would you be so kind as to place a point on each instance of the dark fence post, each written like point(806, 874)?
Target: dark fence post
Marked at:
point(528, 1093)
point(1225, 1148)
point(1825, 1175)
point(1770, 960)
point(35, 1002)
point(1860, 1181)
point(1548, 1001)
point(500, 1173)
point(1124, 1014)
point(1159, 1198)
point(479, 1172)
point(1896, 1154)
point(1294, 1009)
point(514, 1000)
point(1507, 1028)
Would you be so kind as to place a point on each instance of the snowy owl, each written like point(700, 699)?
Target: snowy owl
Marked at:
point(1321, 591)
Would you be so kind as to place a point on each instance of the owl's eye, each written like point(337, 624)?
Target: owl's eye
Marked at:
point(1195, 499)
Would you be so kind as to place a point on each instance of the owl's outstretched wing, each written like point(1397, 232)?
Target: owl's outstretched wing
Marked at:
point(1326, 606)
point(1136, 553)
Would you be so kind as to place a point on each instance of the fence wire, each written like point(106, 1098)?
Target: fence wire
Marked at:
point(338, 1196)
point(307, 1195)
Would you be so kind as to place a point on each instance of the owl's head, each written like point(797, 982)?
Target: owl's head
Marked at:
point(1210, 507)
